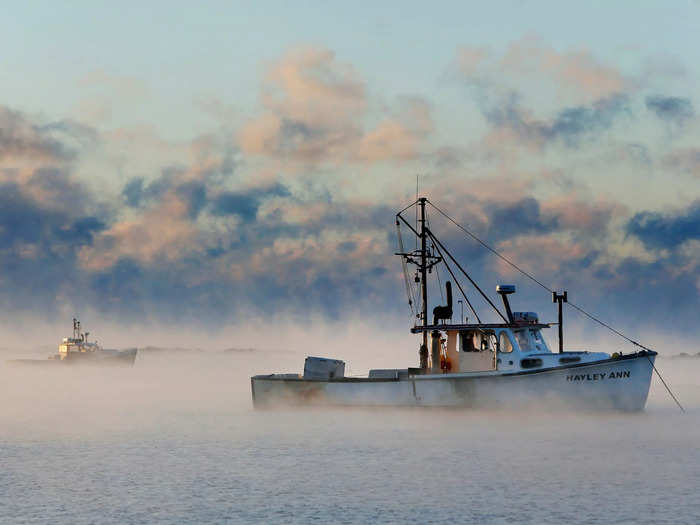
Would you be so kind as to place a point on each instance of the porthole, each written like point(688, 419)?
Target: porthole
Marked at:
point(530, 363)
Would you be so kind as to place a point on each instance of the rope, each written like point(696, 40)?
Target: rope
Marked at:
point(573, 305)
point(665, 385)
point(437, 268)
point(444, 261)
point(409, 290)
point(488, 247)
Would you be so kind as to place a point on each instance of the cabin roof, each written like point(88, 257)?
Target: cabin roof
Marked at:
point(476, 326)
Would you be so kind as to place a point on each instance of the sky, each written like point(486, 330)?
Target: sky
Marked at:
point(207, 165)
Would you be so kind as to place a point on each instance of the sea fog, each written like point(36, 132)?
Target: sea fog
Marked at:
point(175, 440)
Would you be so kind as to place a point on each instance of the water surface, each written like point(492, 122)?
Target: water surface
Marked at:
point(175, 440)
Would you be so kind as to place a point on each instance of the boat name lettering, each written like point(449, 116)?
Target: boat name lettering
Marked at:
point(598, 377)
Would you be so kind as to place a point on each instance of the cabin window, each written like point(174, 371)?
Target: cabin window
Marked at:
point(523, 341)
point(491, 340)
point(469, 341)
point(504, 343)
point(536, 336)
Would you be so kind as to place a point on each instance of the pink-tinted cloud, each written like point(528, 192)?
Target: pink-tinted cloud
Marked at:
point(315, 110)
point(162, 222)
point(162, 233)
point(548, 255)
point(576, 213)
point(575, 71)
point(401, 136)
point(24, 141)
point(311, 104)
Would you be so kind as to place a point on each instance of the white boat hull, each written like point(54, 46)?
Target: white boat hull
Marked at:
point(616, 383)
point(98, 358)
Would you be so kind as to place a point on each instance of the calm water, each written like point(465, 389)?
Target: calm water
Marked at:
point(175, 440)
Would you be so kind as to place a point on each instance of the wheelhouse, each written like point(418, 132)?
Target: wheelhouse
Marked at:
point(77, 343)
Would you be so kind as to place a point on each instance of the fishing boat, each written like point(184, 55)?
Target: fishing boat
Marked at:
point(503, 364)
point(78, 350)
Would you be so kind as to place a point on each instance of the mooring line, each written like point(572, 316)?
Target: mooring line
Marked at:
point(664, 383)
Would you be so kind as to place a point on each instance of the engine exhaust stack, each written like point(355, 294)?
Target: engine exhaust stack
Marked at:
point(444, 312)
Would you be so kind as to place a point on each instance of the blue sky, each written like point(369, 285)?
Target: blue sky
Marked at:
point(180, 51)
point(188, 162)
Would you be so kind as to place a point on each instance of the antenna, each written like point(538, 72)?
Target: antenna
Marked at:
point(416, 223)
point(559, 298)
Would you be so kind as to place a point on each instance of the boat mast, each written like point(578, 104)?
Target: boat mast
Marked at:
point(423, 283)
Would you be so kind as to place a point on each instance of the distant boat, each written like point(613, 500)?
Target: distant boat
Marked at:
point(505, 364)
point(78, 350)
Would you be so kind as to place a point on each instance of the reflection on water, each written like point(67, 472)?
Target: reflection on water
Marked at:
point(175, 440)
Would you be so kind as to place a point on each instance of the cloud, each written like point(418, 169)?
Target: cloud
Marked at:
point(670, 109)
point(311, 105)
point(572, 73)
point(583, 215)
point(24, 220)
point(21, 139)
point(666, 231)
point(315, 110)
point(522, 216)
point(38, 250)
point(576, 69)
point(550, 256)
point(164, 232)
point(685, 160)
point(245, 204)
point(568, 127)
point(400, 136)
point(162, 225)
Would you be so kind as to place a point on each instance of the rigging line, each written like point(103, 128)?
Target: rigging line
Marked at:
point(573, 305)
point(409, 293)
point(664, 383)
point(593, 318)
point(486, 297)
point(458, 285)
point(437, 268)
point(526, 274)
point(489, 247)
point(407, 207)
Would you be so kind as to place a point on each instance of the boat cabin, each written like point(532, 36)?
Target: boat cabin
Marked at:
point(466, 348)
point(77, 343)
point(481, 347)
